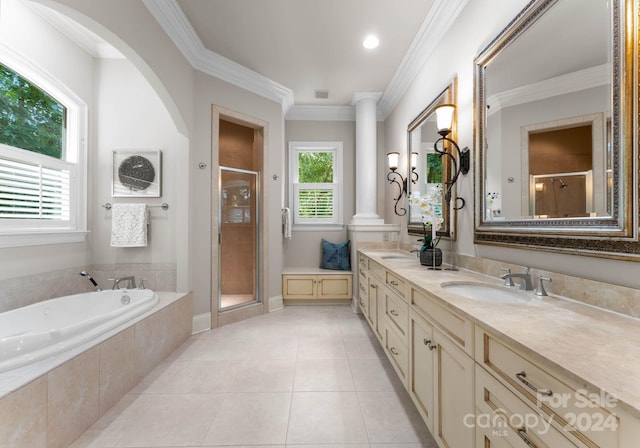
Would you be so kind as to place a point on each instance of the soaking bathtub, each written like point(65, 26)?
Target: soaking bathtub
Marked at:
point(47, 328)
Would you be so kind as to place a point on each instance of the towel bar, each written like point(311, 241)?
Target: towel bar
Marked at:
point(164, 205)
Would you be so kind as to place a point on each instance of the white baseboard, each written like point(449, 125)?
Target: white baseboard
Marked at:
point(275, 303)
point(201, 322)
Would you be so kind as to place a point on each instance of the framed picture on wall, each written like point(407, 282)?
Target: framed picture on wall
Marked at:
point(136, 173)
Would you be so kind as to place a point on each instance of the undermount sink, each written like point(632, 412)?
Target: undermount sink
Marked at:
point(487, 293)
point(398, 258)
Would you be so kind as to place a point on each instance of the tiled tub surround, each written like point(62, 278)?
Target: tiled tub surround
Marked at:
point(589, 345)
point(22, 291)
point(50, 403)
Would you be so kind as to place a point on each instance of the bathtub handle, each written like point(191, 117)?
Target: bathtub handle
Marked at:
point(115, 282)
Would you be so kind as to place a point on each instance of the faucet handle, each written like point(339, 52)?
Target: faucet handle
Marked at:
point(115, 283)
point(141, 285)
point(540, 291)
point(508, 281)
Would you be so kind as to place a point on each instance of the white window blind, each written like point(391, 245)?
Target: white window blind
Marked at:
point(34, 187)
point(315, 203)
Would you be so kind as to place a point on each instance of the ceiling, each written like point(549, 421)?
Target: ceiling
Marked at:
point(309, 45)
point(286, 50)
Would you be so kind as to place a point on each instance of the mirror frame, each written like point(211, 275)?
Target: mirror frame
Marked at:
point(612, 237)
point(447, 96)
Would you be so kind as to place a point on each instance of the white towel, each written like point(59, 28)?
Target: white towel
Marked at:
point(286, 222)
point(129, 225)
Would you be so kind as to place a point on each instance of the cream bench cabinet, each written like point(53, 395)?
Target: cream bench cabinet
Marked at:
point(318, 285)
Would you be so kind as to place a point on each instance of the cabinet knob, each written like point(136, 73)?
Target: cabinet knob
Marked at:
point(428, 343)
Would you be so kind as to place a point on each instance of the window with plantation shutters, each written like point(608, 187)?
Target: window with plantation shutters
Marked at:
point(316, 187)
point(41, 187)
point(34, 187)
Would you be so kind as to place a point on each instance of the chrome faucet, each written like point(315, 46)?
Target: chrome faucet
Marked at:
point(93, 282)
point(525, 279)
point(130, 285)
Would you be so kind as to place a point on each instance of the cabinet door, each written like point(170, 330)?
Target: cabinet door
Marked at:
point(372, 307)
point(454, 393)
point(334, 287)
point(299, 287)
point(422, 367)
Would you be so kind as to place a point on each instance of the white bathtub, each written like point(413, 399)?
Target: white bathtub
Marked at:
point(47, 328)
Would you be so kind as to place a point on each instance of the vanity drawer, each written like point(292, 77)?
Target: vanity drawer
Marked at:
point(399, 354)
point(396, 283)
point(397, 311)
point(376, 269)
point(459, 329)
point(507, 417)
point(586, 415)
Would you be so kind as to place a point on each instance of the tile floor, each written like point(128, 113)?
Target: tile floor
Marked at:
point(305, 375)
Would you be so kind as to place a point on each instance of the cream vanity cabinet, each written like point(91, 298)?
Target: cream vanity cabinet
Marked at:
point(316, 284)
point(441, 369)
point(386, 310)
point(536, 406)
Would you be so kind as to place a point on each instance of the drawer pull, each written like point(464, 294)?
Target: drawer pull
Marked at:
point(374, 286)
point(393, 350)
point(394, 283)
point(394, 313)
point(427, 342)
point(522, 432)
point(522, 378)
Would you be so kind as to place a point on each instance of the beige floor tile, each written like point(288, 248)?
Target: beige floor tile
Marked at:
point(314, 347)
point(326, 418)
point(364, 348)
point(168, 419)
point(249, 419)
point(391, 417)
point(374, 374)
point(323, 375)
point(263, 375)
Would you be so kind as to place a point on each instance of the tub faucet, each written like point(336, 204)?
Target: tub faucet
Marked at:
point(130, 285)
point(93, 282)
point(525, 279)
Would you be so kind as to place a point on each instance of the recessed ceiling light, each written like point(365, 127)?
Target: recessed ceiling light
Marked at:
point(370, 42)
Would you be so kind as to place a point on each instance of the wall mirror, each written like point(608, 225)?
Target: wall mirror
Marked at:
point(556, 122)
point(432, 170)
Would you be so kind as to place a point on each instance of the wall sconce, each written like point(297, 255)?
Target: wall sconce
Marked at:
point(459, 159)
point(393, 158)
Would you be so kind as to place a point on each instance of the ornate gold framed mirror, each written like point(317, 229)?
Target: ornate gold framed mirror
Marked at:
point(556, 127)
point(432, 170)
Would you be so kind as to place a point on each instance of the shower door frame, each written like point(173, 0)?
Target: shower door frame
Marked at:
point(258, 240)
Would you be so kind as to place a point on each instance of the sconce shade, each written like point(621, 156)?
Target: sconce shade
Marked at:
point(444, 118)
point(414, 160)
point(393, 159)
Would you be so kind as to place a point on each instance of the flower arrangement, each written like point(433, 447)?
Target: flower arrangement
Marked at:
point(428, 204)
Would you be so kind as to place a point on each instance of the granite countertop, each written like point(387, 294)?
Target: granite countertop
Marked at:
point(593, 346)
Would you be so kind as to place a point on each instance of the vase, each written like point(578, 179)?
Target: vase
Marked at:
point(431, 257)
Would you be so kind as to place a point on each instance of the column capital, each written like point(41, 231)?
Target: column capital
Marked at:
point(359, 96)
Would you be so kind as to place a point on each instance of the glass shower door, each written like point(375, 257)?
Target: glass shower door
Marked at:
point(238, 241)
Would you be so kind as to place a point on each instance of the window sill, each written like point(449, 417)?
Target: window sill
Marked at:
point(317, 227)
point(20, 239)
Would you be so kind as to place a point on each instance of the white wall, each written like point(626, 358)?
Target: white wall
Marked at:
point(130, 115)
point(303, 249)
point(27, 36)
point(454, 55)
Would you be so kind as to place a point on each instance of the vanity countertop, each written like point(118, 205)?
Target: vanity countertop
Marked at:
point(590, 345)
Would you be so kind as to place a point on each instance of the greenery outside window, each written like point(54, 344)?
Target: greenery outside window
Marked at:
point(316, 183)
point(41, 183)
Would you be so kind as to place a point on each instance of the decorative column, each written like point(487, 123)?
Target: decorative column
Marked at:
point(366, 158)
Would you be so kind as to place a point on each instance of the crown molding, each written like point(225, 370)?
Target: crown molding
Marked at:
point(560, 85)
point(439, 19)
point(175, 23)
